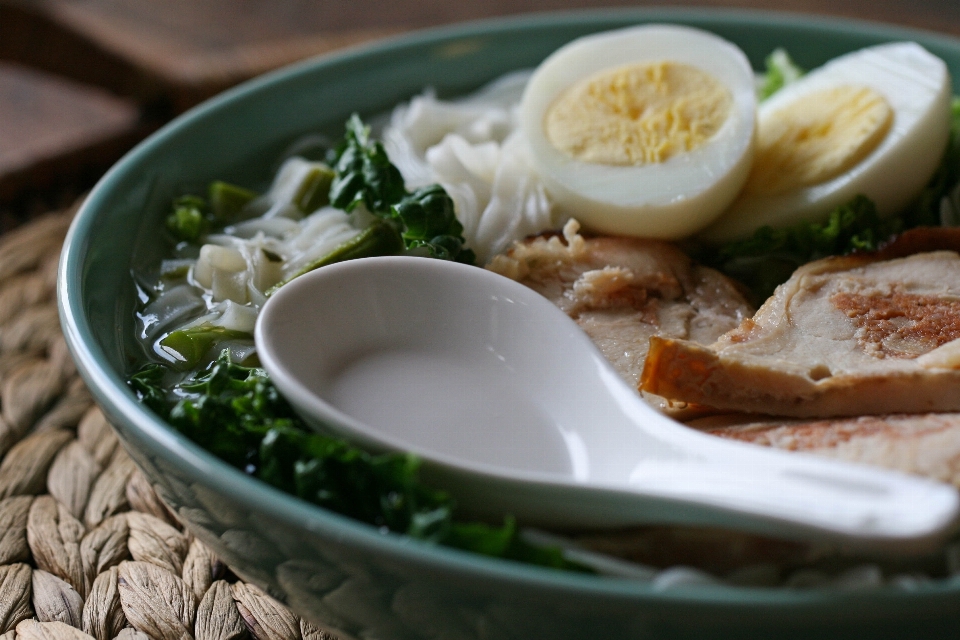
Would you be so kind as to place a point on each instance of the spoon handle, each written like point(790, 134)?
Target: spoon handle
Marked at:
point(803, 492)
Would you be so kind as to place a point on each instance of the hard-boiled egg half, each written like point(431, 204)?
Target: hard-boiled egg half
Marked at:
point(873, 122)
point(644, 131)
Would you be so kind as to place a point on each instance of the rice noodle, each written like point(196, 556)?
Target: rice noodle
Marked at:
point(474, 149)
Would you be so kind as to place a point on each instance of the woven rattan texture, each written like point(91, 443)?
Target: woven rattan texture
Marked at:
point(87, 549)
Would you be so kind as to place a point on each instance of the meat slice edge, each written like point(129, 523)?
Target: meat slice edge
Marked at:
point(844, 336)
point(925, 444)
point(623, 291)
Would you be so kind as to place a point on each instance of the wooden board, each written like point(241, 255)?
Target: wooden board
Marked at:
point(177, 51)
point(52, 128)
point(186, 50)
point(167, 55)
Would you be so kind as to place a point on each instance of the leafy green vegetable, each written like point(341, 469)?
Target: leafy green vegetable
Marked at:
point(189, 219)
point(314, 191)
point(769, 256)
point(193, 217)
point(174, 272)
point(781, 71)
point(193, 343)
point(147, 383)
point(381, 238)
point(226, 200)
point(365, 175)
point(504, 542)
point(429, 222)
point(237, 414)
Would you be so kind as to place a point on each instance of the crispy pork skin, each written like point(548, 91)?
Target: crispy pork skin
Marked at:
point(844, 336)
point(622, 291)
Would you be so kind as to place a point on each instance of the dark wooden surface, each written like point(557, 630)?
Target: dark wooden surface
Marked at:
point(55, 120)
point(185, 50)
point(158, 57)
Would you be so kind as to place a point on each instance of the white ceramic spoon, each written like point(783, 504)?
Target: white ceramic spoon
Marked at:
point(513, 410)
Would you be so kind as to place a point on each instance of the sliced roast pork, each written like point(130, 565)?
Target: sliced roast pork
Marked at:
point(844, 336)
point(622, 291)
point(926, 444)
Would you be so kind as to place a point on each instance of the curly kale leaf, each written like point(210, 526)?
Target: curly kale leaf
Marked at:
point(429, 222)
point(364, 173)
point(770, 256)
point(228, 409)
point(147, 384)
point(382, 490)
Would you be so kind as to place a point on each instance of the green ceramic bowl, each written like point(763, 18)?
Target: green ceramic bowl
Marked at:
point(344, 574)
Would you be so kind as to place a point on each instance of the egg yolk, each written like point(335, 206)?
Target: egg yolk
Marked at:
point(637, 114)
point(816, 138)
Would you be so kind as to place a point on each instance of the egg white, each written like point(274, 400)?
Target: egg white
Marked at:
point(916, 86)
point(670, 199)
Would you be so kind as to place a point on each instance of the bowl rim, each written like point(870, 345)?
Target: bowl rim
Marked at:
point(111, 392)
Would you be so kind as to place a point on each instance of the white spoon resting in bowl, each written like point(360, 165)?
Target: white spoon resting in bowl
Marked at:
point(514, 411)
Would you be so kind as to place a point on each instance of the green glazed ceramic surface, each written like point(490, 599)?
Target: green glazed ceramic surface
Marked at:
point(346, 575)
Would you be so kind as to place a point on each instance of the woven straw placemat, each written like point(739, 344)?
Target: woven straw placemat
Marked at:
point(87, 549)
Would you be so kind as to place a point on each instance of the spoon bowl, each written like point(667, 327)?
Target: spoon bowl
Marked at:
point(513, 410)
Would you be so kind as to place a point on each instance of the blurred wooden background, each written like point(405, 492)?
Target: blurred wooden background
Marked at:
point(83, 80)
